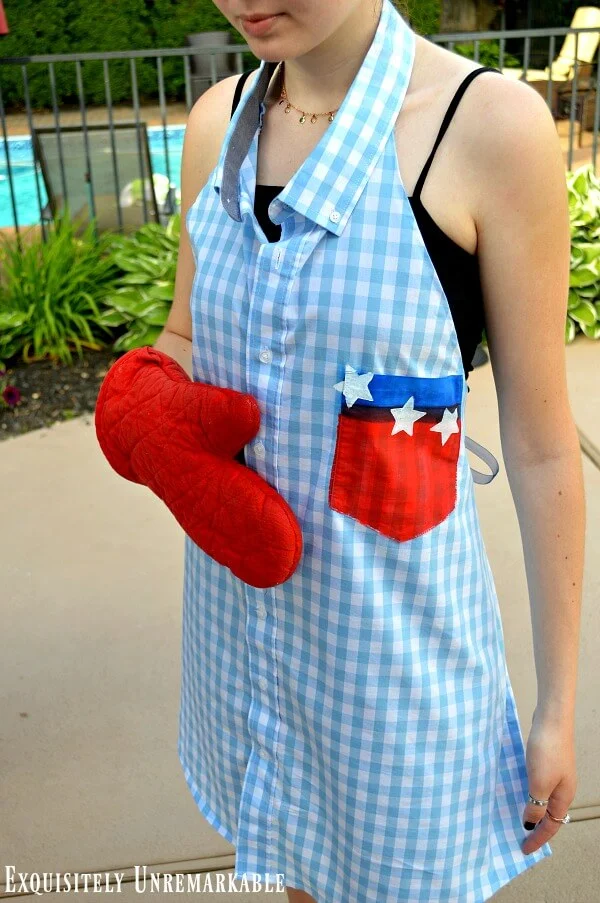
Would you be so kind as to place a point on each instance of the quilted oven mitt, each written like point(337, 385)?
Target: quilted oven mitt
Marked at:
point(179, 437)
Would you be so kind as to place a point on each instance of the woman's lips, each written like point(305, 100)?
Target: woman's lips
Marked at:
point(260, 26)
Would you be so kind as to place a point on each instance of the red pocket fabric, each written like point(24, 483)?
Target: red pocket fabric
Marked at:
point(396, 453)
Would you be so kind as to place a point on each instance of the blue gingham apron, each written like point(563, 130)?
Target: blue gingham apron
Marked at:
point(353, 728)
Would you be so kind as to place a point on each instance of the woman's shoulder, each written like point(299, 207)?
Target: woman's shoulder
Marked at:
point(495, 108)
point(209, 117)
point(438, 70)
point(509, 131)
point(502, 122)
point(213, 108)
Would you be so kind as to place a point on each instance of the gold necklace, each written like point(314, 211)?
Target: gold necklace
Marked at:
point(290, 106)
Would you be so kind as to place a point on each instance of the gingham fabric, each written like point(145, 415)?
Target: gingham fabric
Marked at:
point(353, 728)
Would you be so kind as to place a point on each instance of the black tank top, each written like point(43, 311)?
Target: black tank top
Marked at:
point(457, 269)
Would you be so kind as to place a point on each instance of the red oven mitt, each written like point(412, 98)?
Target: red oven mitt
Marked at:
point(158, 427)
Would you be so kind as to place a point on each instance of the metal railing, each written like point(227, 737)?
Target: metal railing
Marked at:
point(576, 91)
point(77, 59)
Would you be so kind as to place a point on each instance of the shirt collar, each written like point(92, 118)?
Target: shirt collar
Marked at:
point(329, 182)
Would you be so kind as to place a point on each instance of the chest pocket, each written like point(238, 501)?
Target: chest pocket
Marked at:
point(395, 465)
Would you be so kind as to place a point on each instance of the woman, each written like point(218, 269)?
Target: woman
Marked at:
point(354, 727)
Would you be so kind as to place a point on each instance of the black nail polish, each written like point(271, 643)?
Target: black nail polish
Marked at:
point(529, 825)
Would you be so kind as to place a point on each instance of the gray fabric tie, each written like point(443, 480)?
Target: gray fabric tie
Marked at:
point(241, 140)
point(486, 456)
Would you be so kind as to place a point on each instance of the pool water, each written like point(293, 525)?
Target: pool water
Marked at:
point(23, 174)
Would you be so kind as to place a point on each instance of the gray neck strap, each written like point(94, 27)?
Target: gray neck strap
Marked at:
point(486, 456)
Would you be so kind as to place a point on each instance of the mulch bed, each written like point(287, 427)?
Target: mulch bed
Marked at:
point(52, 392)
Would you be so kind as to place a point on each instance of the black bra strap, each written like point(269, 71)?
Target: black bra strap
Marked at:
point(446, 121)
point(238, 89)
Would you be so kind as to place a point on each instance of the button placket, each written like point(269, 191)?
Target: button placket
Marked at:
point(265, 359)
point(262, 716)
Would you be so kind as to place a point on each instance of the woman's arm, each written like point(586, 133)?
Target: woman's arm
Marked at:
point(178, 347)
point(520, 206)
point(204, 132)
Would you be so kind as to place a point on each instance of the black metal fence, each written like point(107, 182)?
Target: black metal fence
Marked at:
point(573, 94)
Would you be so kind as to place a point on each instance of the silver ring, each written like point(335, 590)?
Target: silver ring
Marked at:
point(565, 820)
point(533, 800)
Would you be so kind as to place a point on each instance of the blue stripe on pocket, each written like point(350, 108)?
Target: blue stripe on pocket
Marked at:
point(389, 390)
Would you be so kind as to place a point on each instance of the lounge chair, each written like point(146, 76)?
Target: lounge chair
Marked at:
point(564, 63)
point(91, 188)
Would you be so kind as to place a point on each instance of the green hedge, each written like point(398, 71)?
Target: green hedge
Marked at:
point(424, 15)
point(72, 26)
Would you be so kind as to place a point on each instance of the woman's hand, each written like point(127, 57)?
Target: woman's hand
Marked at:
point(551, 773)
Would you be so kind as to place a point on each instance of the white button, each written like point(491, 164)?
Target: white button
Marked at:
point(263, 683)
point(265, 355)
point(334, 216)
point(263, 754)
point(261, 612)
point(259, 449)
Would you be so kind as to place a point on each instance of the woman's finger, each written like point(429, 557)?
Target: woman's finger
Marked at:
point(545, 827)
point(533, 812)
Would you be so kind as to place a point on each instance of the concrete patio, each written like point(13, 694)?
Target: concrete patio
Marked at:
point(91, 601)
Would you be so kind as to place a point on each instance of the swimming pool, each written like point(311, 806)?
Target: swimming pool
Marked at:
point(23, 174)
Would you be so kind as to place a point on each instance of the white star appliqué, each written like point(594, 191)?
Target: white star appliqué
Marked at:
point(355, 386)
point(447, 425)
point(406, 416)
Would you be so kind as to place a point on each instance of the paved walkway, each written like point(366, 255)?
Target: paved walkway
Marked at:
point(91, 594)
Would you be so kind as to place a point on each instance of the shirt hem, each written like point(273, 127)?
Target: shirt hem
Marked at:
point(213, 819)
point(209, 814)
point(512, 872)
point(509, 872)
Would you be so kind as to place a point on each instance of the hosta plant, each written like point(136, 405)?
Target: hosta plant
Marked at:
point(51, 292)
point(584, 283)
point(143, 294)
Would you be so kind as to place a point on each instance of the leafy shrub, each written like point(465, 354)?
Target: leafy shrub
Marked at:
point(584, 284)
point(73, 292)
point(76, 26)
point(423, 15)
point(143, 294)
point(51, 292)
point(489, 54)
